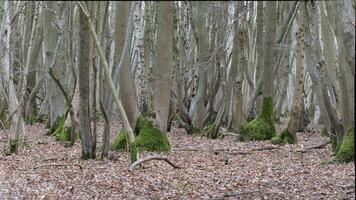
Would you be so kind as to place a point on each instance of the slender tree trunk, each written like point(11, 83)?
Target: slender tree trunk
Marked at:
point(88, 149)
point(296, 112)
point(239, 63)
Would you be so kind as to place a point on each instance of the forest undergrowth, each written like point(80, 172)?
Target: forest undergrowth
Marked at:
point(210, 169)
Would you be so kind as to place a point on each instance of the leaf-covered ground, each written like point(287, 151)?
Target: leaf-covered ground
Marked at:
point(211, 169)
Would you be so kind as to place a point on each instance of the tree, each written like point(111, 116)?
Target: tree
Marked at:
point(289, 134)
point(88, 149)
point(239, 62)
point(163, 69)
point(126, 83)
point(262, 127)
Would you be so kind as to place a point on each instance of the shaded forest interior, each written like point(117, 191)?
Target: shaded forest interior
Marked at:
point(145, 88)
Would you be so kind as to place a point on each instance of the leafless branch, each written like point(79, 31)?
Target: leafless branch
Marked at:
point(138, 162)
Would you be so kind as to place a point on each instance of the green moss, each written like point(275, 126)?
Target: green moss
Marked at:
point(34, 116)
point(192, 130)
point(323, 131)
point(277, 140)
point(63, 134)
point(119, 142)
point(152, 139)
point(13, 147)
point(209, 131)
point(6, 123)
point(335, 147)
point(133, 152)
point(148, 138)
point(284, 138)
point(262, 127)
point(346, 152)
point(140, 123)
point(57, 126)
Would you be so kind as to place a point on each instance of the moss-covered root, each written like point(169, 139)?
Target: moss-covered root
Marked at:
point(284, 138)
point(262, 127)
point(346, 152)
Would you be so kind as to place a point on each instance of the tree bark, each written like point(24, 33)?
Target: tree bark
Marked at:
point(88, 149)
point(162, 74)
point(269, 42)
point(296, 112)
point(239, 64)
point(126, 83)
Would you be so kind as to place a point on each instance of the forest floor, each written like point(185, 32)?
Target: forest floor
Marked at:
point(210, 169)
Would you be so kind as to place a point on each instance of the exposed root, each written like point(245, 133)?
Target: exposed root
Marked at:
point(138, 162)
point(320, 146)
point(227, 195)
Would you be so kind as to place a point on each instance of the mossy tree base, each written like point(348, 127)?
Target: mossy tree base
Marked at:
point(284, 138)
point(58, 124)
point(62, 133)
point(119, 142)
point(262, 127)
point(346, 151)
point(210, 132)
point(148, 138)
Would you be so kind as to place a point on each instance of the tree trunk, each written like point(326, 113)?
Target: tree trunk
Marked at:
point(51, 33)
point(126, 124)
point(296, 112)
point(239, 64)
point(162, 74)
point(269, 42)
point(88, 149)
point(126, 83)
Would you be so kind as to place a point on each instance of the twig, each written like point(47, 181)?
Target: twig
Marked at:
point(232, 134)
point(235, 194)
point(57, 165)
point(314, 147)
point(227, 151)
point(138, 162)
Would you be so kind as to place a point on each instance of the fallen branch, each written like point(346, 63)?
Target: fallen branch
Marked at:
point(215, 151)
point(314, 147)
point(138, 162)
point(232, 134)
point(266, 148)
point(226, 195)
point(57, 165)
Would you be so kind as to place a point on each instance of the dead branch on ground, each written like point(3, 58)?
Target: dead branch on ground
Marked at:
point(140, 161)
